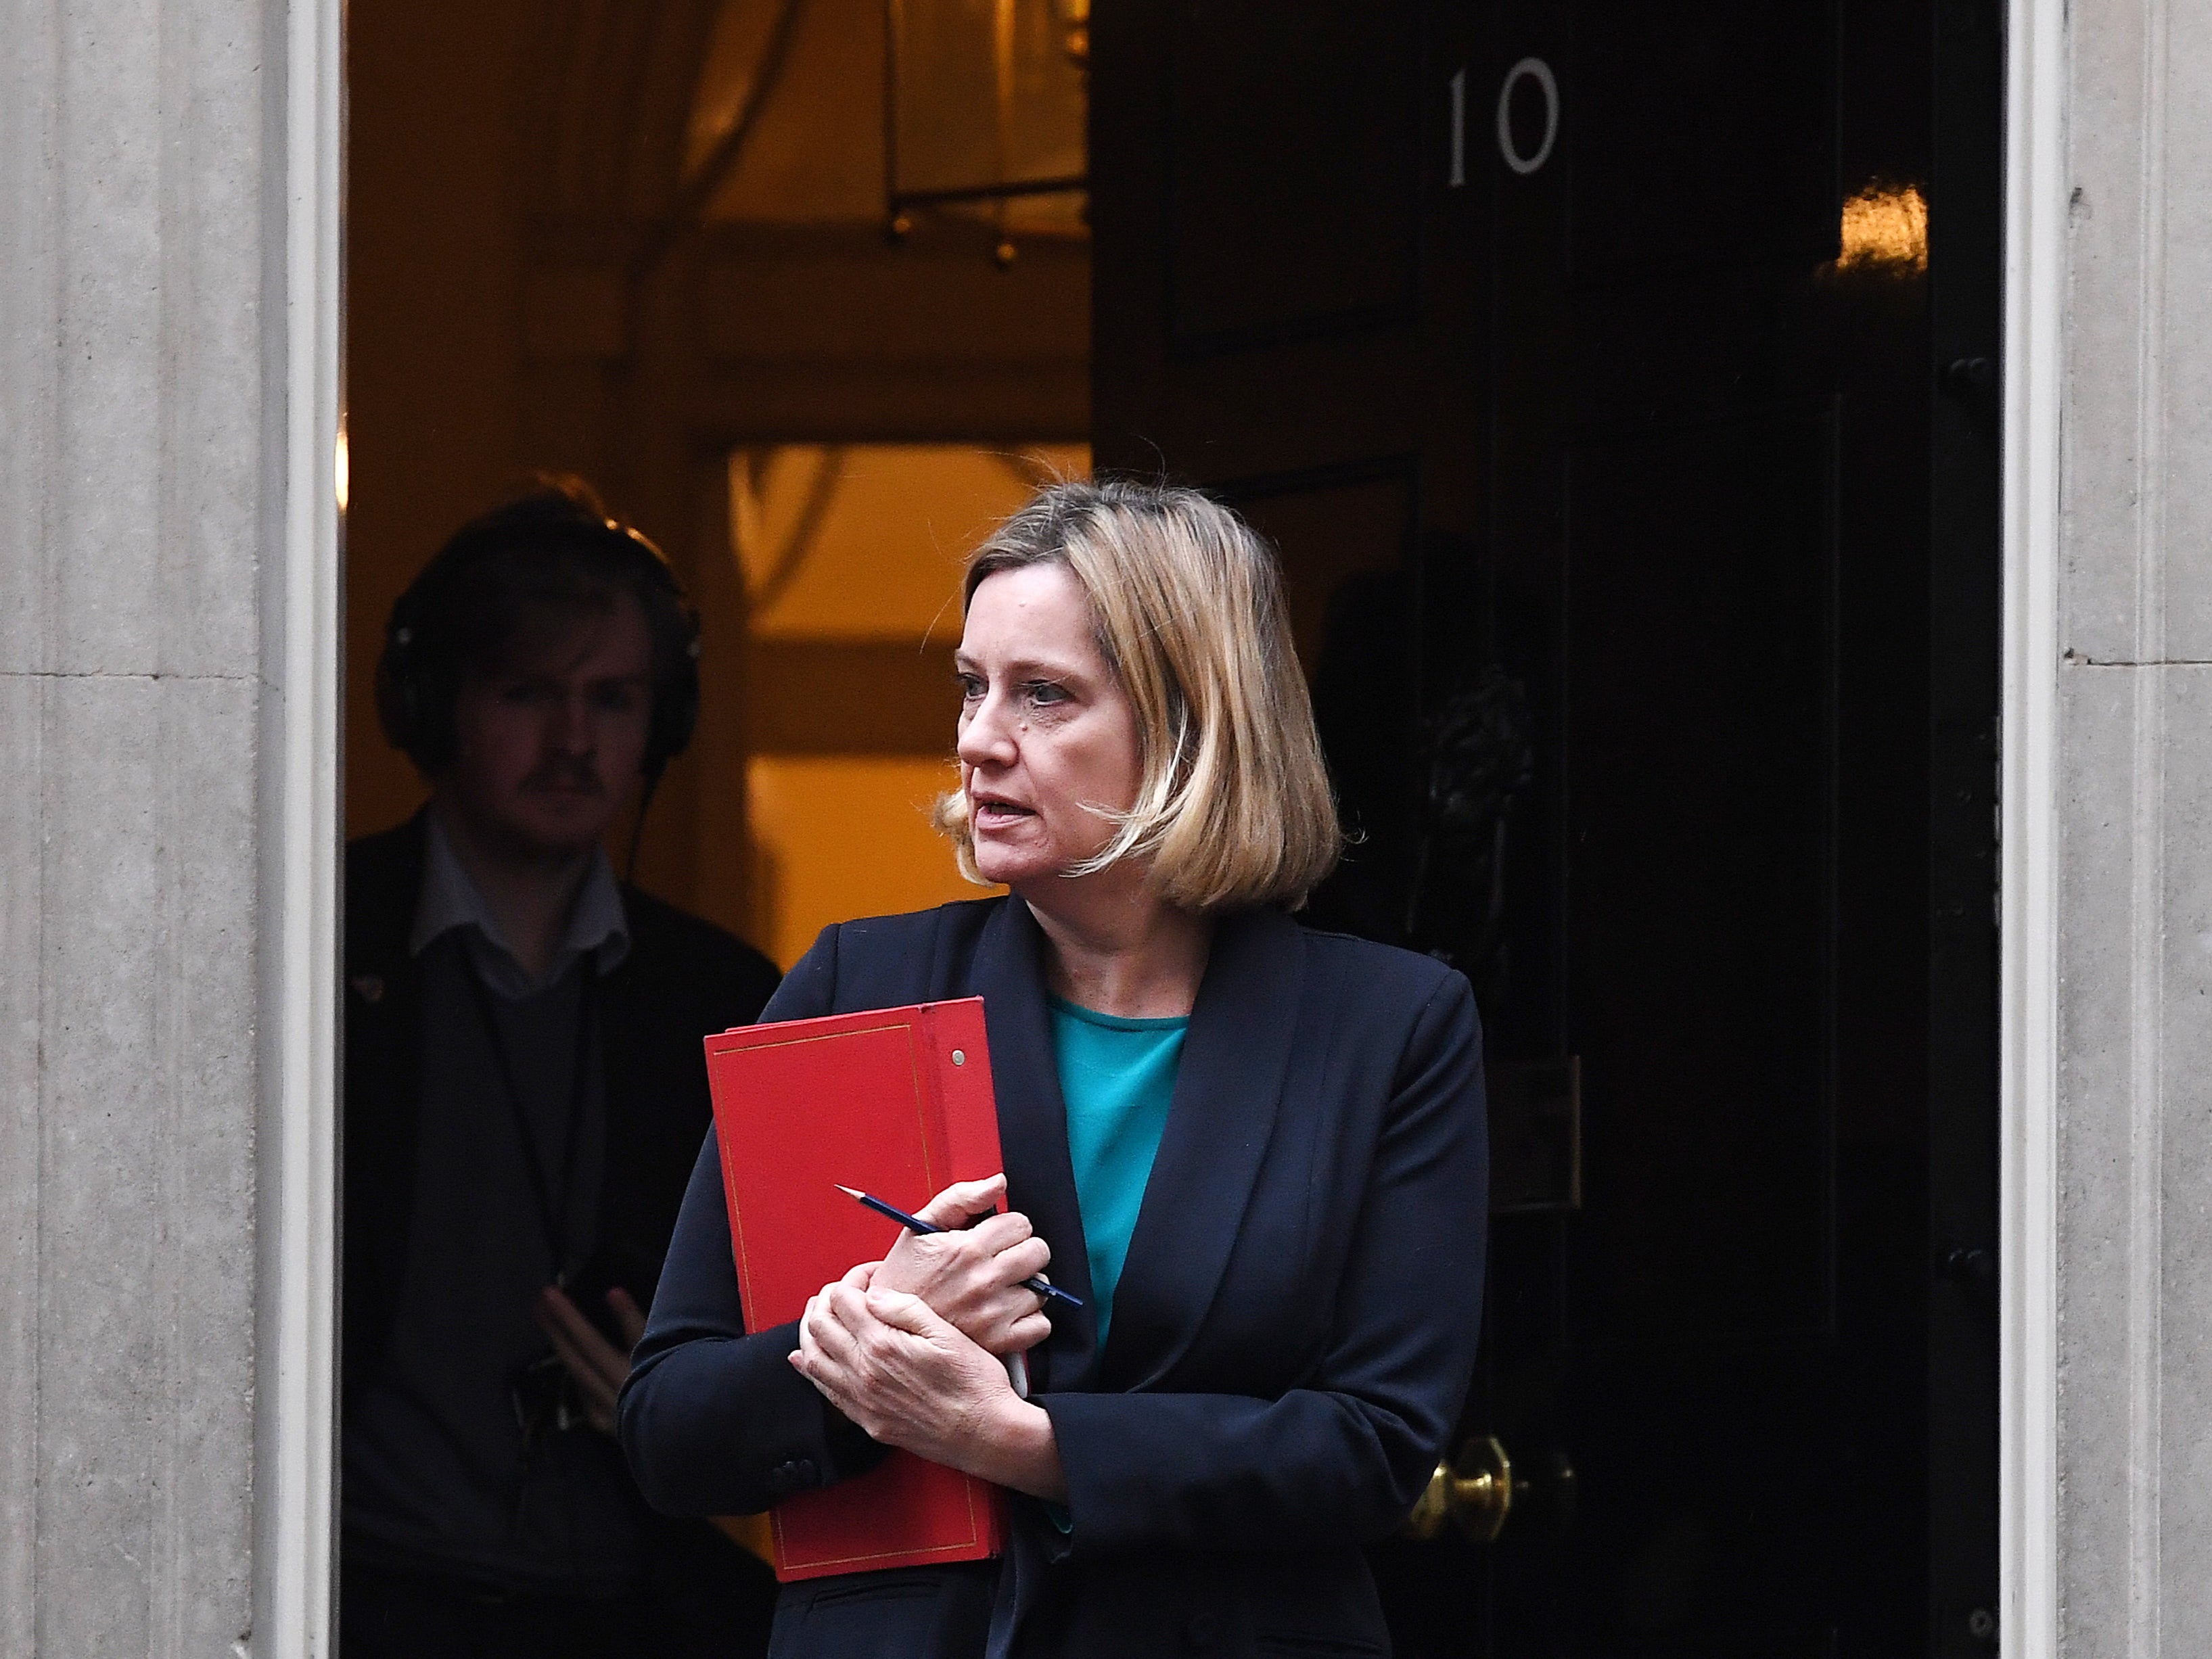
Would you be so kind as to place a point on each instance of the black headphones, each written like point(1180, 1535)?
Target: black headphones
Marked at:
point(419, 673)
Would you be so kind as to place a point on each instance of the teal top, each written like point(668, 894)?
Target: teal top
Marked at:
point(1117, 1077)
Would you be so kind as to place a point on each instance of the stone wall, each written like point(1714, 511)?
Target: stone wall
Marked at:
point(159, 1082)
point(143, 563)
point(2134, 853)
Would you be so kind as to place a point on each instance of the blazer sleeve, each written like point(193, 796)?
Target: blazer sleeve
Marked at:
point(1343, 1455)
point(713, 1421)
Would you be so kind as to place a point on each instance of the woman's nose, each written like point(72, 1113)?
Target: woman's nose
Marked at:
point(984, 737)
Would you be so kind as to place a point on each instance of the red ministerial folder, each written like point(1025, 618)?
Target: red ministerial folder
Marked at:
point(898, 1103)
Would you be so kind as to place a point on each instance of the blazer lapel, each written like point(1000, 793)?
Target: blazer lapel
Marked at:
point(1008, 974)
point(1227, 1091)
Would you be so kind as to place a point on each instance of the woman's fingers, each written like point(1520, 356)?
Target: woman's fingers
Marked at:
point(839, 1322)
point(861, 1275)
point(824, 1339)
point(901, 1312)
point(1026, 1260)
point(971, 1279)
point(854, 1336)
point(1015, 1324)
point(809, 1352)
point(843, 1347)
point(892, 1365)
point(992, 1233)
point(962, 1199)
point(838, 1329)
point(1002, 1249)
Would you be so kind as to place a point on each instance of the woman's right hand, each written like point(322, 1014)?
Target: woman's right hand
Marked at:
point(971, 1277)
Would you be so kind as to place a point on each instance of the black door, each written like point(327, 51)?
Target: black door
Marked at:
point(1636, 506)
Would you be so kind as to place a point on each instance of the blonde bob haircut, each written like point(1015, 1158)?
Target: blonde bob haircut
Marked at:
point(1233, 808)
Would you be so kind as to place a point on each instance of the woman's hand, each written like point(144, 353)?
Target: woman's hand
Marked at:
point(971, 1277)
point(909, 1379)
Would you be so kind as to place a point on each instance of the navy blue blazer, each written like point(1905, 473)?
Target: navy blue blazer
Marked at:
point(1293, 1331)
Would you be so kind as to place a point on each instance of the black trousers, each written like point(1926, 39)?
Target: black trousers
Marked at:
point(398, 1612)
point(392, 1613)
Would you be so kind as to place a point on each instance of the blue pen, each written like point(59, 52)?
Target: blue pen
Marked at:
point(916, 1224)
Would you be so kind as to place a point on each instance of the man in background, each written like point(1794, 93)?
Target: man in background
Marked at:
point(525, 1095)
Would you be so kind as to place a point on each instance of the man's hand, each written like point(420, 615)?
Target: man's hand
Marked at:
point(598, 1367)
point(971, 1277)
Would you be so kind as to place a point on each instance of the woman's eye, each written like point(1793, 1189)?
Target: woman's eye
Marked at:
point(971, 686)
point(615, 699)
point(1044, 693)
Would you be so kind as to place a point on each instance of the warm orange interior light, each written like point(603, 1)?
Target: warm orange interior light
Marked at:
point(864, 541)
point(1886, 227)
point(836, 836)
point(850, 559)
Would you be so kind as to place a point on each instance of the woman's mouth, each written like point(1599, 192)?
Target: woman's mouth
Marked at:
point(988, 814)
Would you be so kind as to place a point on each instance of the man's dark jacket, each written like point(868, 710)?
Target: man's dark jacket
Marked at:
point(682, 978)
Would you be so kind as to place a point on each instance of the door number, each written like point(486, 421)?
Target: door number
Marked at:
point(1458, 178)
point(1528, 69)
point(1531, 69)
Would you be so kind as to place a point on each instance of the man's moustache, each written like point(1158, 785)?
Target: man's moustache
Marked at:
point(564, 778)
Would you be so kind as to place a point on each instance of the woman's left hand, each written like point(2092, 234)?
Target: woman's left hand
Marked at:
point(909, 1379)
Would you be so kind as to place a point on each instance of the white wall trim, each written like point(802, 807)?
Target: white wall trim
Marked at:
point(2036, 199)
point(296, 1430)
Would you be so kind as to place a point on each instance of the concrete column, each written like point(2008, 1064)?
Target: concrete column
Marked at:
point(146, 572)
point(2133, 849)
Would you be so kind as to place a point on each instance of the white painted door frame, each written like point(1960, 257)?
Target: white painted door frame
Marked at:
point(296, 1408)
point(2035, 263)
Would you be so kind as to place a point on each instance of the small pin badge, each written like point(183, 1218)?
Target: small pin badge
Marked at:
point(371, 986)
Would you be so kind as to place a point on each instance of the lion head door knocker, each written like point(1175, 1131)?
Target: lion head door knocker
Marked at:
point(1478, 758)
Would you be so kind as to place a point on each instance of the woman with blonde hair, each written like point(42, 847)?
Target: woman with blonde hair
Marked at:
point(1254, 1151)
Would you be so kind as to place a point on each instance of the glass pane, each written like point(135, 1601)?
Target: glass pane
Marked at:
point(864, 541)
point(987, 93)
point(836, 836)
point(850, 555)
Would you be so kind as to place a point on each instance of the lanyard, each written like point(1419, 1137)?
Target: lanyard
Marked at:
point(543, 1187)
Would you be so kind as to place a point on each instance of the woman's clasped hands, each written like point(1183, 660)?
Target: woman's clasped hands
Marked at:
point(971, 1276)
point(912, 1348)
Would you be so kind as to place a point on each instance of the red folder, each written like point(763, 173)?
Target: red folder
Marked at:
point(898, 1103)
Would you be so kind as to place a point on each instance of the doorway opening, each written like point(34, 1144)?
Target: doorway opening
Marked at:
point(1620, 388)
